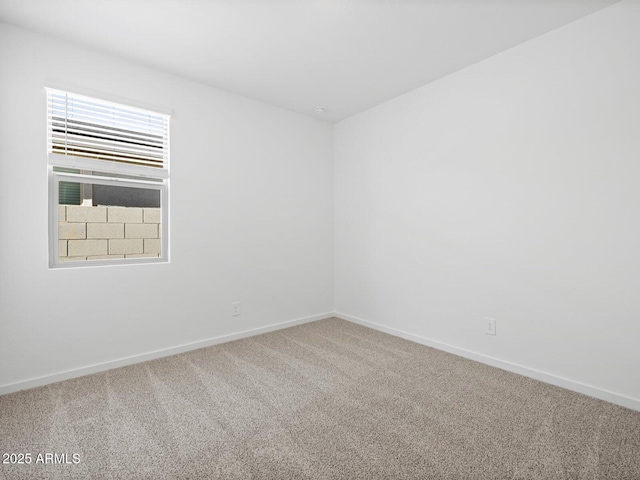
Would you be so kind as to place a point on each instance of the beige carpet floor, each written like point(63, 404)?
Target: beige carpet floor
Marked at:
point(324, 400)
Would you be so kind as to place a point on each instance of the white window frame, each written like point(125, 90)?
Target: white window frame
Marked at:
point(137, 177)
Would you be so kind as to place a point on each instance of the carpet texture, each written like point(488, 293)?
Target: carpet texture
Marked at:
point(324, 400)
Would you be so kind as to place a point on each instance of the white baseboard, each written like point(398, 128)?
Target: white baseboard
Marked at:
point(122, 362)
point(559, 381)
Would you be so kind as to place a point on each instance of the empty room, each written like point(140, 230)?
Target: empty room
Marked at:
point(320, 239)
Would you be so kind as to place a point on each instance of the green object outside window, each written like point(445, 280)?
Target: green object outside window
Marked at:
point(69, 192)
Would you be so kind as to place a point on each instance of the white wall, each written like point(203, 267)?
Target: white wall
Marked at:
point(510, 189)
point(260, 177)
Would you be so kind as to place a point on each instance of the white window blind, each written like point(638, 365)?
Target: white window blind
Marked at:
point(103, 131)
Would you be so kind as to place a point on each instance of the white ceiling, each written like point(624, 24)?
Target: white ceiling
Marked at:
point(346, 55)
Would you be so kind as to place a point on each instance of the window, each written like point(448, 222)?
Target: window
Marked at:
point(108, 182)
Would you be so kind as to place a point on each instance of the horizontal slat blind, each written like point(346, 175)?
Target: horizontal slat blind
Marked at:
point(90, 128)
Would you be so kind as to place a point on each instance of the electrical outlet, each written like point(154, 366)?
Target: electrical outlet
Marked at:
point(490, 326)
point(235, 309)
